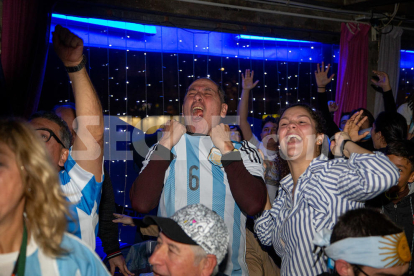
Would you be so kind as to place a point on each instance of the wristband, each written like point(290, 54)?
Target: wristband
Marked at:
point(78, 67)
point(113, 255)
point(343, 146)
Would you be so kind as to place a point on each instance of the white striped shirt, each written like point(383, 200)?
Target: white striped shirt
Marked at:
point(326, 190)
point(191, 178)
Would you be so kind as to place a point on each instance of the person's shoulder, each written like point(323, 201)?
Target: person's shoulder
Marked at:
point(246, 148)
point(80, 254)
point(73, 243)
point(244, 144)
point(254, 140)
point(72, 169)
point(404, 108)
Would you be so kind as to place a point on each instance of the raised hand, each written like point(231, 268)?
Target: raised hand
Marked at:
point(172, 133)
point(124, 219)
point(247, 80)
point(68, 46)
point(220, 135)
point(353, 125)
point(321, 75)
point(383, 80)
point(332, 106)
point(340, 137)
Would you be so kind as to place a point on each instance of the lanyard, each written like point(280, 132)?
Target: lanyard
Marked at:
point(20, 265)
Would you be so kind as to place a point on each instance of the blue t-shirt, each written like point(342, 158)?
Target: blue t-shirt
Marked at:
point(80, 260)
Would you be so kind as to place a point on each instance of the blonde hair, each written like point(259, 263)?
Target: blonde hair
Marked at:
point(46, 207)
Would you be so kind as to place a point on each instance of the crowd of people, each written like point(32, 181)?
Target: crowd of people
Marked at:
point(307, 197)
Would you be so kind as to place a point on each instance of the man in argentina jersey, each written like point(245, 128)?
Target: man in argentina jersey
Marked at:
point(80, 166)
point(198, 163)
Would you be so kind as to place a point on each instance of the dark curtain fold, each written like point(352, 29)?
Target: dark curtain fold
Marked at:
point(24, 48)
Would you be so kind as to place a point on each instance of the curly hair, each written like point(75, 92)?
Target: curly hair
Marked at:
point(45, 205)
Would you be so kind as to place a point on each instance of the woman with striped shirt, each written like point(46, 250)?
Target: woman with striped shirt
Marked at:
point(317, 191)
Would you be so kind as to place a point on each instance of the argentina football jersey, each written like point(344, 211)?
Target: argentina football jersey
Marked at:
point(196, 175)
point(84, 194)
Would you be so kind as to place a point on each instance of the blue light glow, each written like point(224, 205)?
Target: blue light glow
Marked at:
point(139, 37)
point(252, 37)
point(110, 23)
point(407, 59)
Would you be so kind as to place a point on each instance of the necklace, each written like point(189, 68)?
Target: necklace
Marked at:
point(20, 265)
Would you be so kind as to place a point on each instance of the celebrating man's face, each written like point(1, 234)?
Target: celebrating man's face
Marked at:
point(202, 106)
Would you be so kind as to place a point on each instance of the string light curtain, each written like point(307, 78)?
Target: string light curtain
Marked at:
point(141, 75)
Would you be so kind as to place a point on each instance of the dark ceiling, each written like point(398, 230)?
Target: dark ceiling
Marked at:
point(317, 20)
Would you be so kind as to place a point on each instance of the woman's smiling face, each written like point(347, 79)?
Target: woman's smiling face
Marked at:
point(297, 134)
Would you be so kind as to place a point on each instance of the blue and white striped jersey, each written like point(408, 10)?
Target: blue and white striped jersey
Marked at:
point(326, 190)
point(80, 260)
point(84, 193)
point(191, 178)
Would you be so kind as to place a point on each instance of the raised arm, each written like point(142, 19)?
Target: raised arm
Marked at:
point(243, 108)
point(88, 145)
point(353, 126)
point(322, 80)
point(364, 175)
point(383, 83)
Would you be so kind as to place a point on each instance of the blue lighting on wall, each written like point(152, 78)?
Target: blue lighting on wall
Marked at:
point(252, 37)
point(407, 59)
point(138, 37)
point(109, 23)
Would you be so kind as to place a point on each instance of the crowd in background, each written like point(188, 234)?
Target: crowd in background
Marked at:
point(290, 202)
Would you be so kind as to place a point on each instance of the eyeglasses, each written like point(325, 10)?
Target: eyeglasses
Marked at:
point(46, 134)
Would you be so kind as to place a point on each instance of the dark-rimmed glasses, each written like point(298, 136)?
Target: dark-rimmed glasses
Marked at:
point(46, 134)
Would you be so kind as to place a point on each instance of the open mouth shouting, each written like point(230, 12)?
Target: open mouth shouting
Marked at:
point(293, 139)
point(197, 113)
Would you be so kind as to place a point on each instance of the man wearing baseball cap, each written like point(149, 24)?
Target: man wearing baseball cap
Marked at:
point(193, 241)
